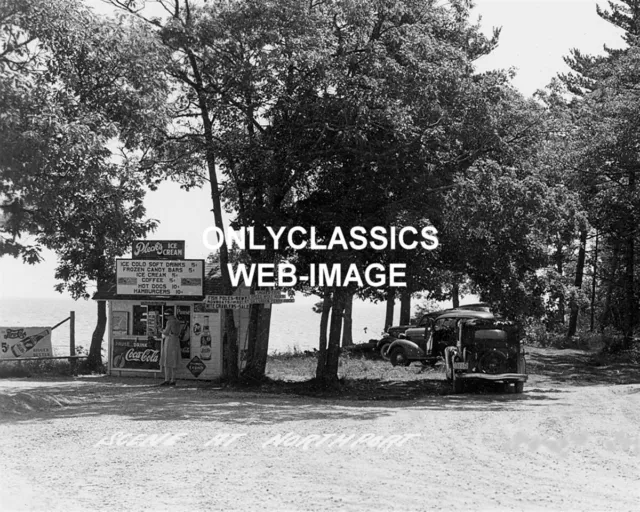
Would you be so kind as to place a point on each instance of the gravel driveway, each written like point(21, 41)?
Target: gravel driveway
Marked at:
point(116, 444)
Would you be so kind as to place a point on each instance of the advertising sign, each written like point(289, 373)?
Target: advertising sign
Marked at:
point(183, 314)
point(158, 250)
point(136, 354)
point(196, 366)
point(160, 278)
point(245, 301)
point(17, 342)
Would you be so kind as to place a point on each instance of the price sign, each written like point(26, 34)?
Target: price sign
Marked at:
point(174, 278)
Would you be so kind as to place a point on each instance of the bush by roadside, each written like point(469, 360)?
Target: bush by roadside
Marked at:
point(48, 367)
point(608, 340)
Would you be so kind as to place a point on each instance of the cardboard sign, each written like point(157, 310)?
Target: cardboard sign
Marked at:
point(17, 342)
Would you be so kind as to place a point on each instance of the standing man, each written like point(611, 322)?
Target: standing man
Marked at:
point(170, 349)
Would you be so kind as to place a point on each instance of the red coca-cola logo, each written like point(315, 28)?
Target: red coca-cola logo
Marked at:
point(147, 248)
point(14, 334)
point(144, 356)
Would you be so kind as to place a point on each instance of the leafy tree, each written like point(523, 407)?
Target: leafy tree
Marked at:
point(69, 82)
point(606, 101)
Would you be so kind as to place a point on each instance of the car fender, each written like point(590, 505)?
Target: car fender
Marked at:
point(412, 350)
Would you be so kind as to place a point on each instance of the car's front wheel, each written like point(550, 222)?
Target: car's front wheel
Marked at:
point(399, 358)
point(384, 351)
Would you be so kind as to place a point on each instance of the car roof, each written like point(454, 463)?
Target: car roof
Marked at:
point(466, 313)
point(476, 306)
point(436, 313)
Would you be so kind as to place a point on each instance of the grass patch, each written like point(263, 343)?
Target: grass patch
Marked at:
point(47, 368)
point(537, 335)
point(362, 376)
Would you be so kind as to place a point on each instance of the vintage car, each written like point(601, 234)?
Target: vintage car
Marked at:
point(399, 332)
point(417, 333)
point(435, 337)
point(486, 349)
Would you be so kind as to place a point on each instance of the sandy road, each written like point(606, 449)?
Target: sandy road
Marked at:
point(552, 448)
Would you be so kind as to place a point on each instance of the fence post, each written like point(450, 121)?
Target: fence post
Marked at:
point(72, 341)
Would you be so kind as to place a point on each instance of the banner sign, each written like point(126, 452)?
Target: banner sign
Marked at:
point(19, 342)
point(245, 301)
point(158, 250)
point(136, 354)
point(160, 278)
point(203, 307)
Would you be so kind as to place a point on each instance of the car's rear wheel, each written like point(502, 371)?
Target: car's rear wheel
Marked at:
point(519, 387)
point(384, 351)
point(399, 358)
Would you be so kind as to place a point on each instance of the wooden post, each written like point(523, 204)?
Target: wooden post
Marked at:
point(72, 341)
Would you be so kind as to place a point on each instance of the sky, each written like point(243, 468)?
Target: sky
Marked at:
point(535, 36)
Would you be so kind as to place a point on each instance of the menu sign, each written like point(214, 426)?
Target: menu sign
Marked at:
point(174, 278)
point(158, 250)
point(136, 354)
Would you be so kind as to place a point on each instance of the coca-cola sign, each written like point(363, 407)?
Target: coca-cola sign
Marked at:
point(144, 356)
point(136, 354)
point(158, 250)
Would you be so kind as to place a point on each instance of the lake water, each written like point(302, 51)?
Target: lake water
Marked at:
point(292, 325)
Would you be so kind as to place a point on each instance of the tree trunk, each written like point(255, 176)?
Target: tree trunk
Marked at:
point(582, 252)
point(405, 306)
point(94, 361)
point(347, 331)
point(629, 288)
point(322, 345)
point(629, 282)
point(613, 270)
point(594, 265)
point(230, 338)
point(560, 269)
point(230, 347)
point(455, 295)
point(258, 346)
point(332, 358)
point(388, 317)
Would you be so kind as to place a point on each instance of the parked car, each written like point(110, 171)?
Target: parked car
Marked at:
point(428, 343)
point(417, 333)
point(486, 349)
point(399, 332)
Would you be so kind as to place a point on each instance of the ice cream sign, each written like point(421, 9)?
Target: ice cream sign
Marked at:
point(175, 278)
point(158, 250)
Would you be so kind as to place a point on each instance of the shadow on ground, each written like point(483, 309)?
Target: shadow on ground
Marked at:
point(581, 368)
point(552, 373)
point(107, 396)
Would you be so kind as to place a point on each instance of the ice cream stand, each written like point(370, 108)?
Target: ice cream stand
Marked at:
point(155, 281)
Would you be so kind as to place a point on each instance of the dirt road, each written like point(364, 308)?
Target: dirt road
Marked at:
point(565, 444)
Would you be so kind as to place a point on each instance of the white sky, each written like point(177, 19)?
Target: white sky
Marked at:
point(536, 34)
